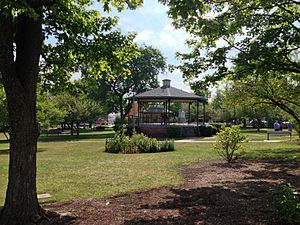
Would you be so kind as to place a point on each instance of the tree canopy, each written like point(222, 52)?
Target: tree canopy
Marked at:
point(144, 70)
point(238, 38)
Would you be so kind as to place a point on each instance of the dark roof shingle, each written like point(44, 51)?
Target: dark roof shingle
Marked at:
point(163, 93)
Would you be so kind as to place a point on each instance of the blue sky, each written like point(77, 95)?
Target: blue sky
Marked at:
point(153, 27)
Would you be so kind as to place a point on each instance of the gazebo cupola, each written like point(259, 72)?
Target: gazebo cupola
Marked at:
point(166, 83)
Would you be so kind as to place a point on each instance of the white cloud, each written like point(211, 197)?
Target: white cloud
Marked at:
point(171, 38)
point(145, 36)
point(168, 38)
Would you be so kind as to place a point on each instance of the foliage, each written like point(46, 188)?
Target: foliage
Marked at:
point(229, 141)
point(174, 131)
point(265, 92)
point(78, 108)
point(249, 41)
point(136, 143)
point(287, 202)
point(167, 145)
point(238, 38)
point(48, 114)
point(207, 130)
point(143, 69)
point(143, 144)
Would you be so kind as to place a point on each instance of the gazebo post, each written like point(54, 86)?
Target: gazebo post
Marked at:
point(189, 119)
point(204, 113)
point(165, 110)
point(168, 111)
point(197, 118)
point(138, 120)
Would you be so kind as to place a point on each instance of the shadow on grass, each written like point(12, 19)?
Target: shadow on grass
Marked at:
point(253, 131)
point(281, 153)
point(61, 138)
point(4, 141)
point(242, 201)
point(6, 151)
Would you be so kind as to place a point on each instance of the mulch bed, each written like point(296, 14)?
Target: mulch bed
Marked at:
point(212, 193)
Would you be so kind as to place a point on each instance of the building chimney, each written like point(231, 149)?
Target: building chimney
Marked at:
point(166, 83)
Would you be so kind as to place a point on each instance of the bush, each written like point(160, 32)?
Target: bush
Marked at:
point(137, 143)
point(218, 126)
point(167, 146)
point(100, 128)
point(143, 144)
point(118, 143)
point(229, 140)
point(207, 130)
point(287, 203)
point(174, 131)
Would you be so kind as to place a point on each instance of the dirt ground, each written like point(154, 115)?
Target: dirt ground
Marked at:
point(212, 193)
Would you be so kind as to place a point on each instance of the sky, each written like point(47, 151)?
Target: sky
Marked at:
point(153, 27)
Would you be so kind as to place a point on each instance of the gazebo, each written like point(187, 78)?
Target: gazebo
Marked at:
point(152, 109)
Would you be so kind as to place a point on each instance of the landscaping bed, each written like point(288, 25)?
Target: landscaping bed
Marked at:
point(213, 192)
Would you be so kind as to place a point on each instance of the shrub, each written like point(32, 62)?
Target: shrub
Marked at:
point(218, 126)
point(207, 130)
point(167, 146)
point(137, 143)
point(143, 144)
point(286, 200)
point(117, 143)
point(100, 128)
point(174, 131)
point(229, 140)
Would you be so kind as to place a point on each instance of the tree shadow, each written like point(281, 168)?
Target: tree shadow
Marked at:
point(54, 218)
point(4, 141)
point(6, 151)
point(282, 153)
point(75, 138)
point(242, 201)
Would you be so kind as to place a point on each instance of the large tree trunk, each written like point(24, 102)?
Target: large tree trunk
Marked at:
point(20, 80)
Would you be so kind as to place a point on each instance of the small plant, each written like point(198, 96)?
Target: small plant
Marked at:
point(229, 141)
point(207, 130)
point(287, 203)
point(137, 143)
point(167, 145)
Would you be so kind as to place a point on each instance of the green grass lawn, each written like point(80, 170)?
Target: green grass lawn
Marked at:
point(253, 135)
point(70, 168)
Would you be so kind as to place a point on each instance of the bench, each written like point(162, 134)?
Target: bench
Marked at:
point(279, 133)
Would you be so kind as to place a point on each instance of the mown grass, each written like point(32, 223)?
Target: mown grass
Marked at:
point(72, 169)
point(254, 135)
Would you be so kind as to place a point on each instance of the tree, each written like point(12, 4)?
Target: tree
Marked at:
point(48, 114)
point(238, 38)
point(79, 33)
point(281, 91)
point(78, 109)
point(242, 40)
point(237, 101)
point(144, 70)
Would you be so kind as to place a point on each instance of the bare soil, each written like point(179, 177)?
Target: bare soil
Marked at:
point(212, 193)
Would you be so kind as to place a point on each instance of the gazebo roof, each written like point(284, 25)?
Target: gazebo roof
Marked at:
point(167, 92)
